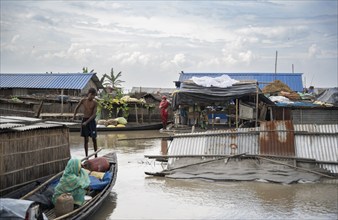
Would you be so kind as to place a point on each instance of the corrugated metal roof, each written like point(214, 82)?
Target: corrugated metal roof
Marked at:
point(36, 126)
point(17, 123)
point(9, 125)
point(293, 80)
point(17, 119)
point(46, 81)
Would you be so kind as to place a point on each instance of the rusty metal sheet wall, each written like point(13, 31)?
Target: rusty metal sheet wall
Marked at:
point(277, 138)
point(216, 142)
point(280, 138)
point(318, 142)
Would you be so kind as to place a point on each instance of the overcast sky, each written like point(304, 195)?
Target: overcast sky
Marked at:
point(152, 41)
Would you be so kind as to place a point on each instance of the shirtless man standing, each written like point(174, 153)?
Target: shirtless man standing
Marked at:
point(88, 126)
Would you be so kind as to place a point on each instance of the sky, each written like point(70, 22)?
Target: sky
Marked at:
point(151, 42)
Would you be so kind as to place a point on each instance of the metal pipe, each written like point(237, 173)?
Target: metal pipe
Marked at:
point(237, 113)
point(256, 123)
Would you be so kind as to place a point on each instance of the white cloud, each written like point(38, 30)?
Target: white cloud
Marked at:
point(314, 51)
point(246, 57)
point(179, 60)
point(15, 38)
point(135, 58)
point(156, 41)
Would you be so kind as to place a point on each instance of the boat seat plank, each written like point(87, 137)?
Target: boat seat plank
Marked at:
point(50, 214)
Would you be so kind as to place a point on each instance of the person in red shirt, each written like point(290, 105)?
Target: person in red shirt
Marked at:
point(164, 104)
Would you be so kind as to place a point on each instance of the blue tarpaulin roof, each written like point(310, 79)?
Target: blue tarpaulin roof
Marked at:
point(293, 80)
point(47, 80)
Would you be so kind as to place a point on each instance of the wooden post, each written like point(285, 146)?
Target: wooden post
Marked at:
point(149, 116)
point(136, 114)
point(236, 113)
point(61, 101)
point(142, 114)
point(213, 120)
point(276, 65)
point(39, 109)
point(271, 115)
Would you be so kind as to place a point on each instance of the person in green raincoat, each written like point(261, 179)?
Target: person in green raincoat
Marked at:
point(74, 181)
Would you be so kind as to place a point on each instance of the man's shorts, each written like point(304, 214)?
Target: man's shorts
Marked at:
point(89, 129)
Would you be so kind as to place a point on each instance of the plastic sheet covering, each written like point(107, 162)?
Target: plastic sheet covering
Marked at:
point(14, 208)
point(329, 96)
point(299, 104)
point(221, 81)
point(191, 93)
point(97, 184)
point(280, 99)
point(242, 170)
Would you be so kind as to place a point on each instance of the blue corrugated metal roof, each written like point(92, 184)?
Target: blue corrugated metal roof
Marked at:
point(45, 80)
point(293, 80)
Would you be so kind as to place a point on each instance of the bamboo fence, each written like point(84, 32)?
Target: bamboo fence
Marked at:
point(29, 155)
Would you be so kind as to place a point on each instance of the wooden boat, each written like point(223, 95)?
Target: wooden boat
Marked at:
point(129, 127)
point(82, 212)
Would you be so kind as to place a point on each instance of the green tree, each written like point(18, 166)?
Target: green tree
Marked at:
point(102, 79)
point(113, 80)
point(85, 70)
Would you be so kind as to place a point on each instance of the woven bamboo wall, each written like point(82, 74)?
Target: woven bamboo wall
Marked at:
point(29, 155)
point(8, 108)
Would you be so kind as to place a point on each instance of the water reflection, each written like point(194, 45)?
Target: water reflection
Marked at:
point(138, 196)
point(164, 146)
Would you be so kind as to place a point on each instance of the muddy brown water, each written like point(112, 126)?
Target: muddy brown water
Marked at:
point(138, 196)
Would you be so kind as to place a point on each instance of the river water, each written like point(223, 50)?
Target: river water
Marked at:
point(138, 196)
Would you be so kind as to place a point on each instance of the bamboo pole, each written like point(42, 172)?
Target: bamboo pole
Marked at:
point(90, 155)
point(136, 114)
point(276, 64)
point(142, 121)
point(144, 138)
point(237, 113)
point(42, 185)
point(61, 101)
point(182, 155)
